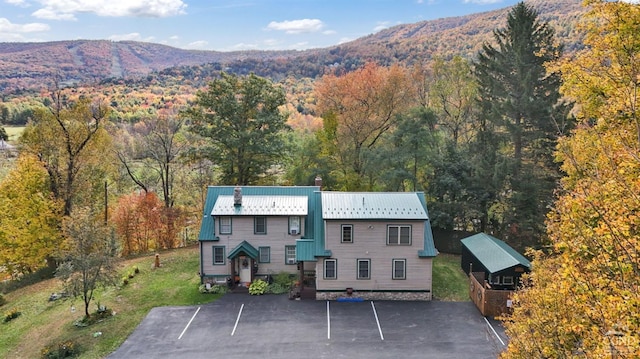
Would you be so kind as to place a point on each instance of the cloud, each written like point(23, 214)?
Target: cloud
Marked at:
point(7, 26)
point(197, 45)
point(22, 3)
point(381, 25)
point(67, 9)
point(133, 36)
point(297, 26)
point(482, 2)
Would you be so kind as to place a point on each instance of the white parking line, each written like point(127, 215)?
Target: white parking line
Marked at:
point(237, 320)
point(328, 322)
point(377, 321)
point(188, 324)
point(494, 331)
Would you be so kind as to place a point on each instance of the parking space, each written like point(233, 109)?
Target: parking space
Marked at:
point(273, 327)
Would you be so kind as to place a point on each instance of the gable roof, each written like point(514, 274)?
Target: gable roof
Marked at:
point(372, 205)
point(493, 253)
point(261, 206)
point(244, 247)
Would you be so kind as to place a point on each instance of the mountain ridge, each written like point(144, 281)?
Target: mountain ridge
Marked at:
point(34, 66)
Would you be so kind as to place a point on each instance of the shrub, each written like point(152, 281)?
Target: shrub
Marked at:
point(11, 315)
point(66, 349)
point(2, 300)
point(214, 289)
point(276, 288)
point(284, 279)
point(258, 287)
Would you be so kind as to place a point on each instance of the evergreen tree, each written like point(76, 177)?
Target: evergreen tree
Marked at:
point(521, 99)
point(241, 118)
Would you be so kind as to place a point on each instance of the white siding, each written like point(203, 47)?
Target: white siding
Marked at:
point(277, 238)
point(370, 242)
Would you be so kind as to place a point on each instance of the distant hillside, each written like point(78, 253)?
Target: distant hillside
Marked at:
point(34, 65)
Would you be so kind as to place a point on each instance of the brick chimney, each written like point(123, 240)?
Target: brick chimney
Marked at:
point(318, 181)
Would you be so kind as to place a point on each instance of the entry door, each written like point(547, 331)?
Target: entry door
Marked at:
point(245, 270)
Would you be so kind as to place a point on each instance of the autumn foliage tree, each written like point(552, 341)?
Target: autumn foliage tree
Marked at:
point(139, 219)
point(30, 218)
point(584, 296)
point(359, 107)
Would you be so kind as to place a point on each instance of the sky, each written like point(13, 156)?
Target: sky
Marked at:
point(222, 25)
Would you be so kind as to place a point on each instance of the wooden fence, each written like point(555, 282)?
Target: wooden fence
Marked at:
point(490, 302)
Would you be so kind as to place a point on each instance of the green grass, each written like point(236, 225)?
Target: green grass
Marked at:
point(450, 283)
point(14, 132)
point(44, 323)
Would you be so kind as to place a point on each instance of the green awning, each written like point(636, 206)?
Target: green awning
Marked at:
point(245, 248)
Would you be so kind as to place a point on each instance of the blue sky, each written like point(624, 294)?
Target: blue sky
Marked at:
point(222, 25)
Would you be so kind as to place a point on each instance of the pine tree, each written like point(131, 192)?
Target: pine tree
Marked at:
point(520, 100)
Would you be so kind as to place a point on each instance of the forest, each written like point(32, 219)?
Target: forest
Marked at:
point(523, 140)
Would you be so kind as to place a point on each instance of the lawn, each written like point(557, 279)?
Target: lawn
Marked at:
point(14, 132)
point(43, 323)
point(450, 283)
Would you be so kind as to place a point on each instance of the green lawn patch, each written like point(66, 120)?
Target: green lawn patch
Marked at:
point(450, 283)
point(50, 324)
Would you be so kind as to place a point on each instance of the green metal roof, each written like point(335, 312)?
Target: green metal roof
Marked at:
point(305, 250)
point(245, 247)
point(493, 253)
point(372, 205)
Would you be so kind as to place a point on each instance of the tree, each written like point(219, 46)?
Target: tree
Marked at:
point(3, 134)
point(71, 142)
point(595, 227)
point(240, 116)
point(30, 217)
point(89, 258)
point(138, 220)
point(365, 104)
point(521, 99)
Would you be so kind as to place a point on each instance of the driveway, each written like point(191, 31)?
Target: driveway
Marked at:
point(272, 326)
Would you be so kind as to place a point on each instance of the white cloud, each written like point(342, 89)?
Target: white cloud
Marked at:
point(22, 3)
point(381, 25)
point(297, 26)
point(329, 32)
point(197, 45)
point(7, 26)
point(67, 9)
point(482, 2)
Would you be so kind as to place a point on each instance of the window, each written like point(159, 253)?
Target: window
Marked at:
point(289, 254)
point(330, 269)
point(507, 280)
point(347, 233)
point(494, 279)
point(264, 254)
point(260, 225)
point(399, 235)
point(225, 225)
point(364, 268)
point(294, 225)
point(218, 255)
point(399, 269)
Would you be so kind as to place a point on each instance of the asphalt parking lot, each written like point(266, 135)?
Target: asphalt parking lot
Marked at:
point(239, 326)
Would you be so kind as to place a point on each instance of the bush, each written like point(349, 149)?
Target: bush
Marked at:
point(66, 349)
point(2, 300)
point(214, 289)
point(276, 288)
point(284, 279)
point(258, 287)
point(11, 315)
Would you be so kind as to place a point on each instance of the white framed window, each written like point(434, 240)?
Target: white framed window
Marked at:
point(260, 225)
point(225, 225)
point(364, 269)
point(507, 280)
point(399, 235)
point(264, 254)
point(330, 269)
point(294, 225)
point(346, 233)
point(218, 255)
point(289, 254)
point(399, 269)
point(494, 279)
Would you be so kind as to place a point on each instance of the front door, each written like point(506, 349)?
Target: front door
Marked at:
point(245, 269)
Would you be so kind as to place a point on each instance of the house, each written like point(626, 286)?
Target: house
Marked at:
point(501, 265)
point(366, 245)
